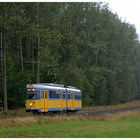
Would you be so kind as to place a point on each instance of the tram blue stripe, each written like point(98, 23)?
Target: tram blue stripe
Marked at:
point(53, 109)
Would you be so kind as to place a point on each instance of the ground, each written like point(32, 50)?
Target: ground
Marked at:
point(118, 125)
point(125, 127)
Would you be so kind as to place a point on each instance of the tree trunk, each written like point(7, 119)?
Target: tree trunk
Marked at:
point(1, 63)
point(38, 49)
point(21, 54)
point(5, 84)
point(33, 61)
point(38, 61)
point(1, 54)
point(5, 78)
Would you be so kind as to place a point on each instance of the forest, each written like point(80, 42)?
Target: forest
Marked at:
point(76, 44)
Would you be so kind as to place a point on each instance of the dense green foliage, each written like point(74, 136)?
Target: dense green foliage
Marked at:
point(81, 44)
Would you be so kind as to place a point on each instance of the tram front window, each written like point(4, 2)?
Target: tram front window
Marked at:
point(31, 95)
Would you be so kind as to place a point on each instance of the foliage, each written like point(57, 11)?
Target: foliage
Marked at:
point(81, 44)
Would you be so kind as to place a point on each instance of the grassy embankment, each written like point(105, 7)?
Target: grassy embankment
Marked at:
point(109, 107)
point(110, 125)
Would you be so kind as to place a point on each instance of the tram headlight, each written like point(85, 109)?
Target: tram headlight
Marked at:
point(30, 104)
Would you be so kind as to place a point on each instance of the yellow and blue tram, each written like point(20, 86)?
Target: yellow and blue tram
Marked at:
point(48, 97)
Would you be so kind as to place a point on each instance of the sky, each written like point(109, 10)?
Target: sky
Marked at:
point(128, 10)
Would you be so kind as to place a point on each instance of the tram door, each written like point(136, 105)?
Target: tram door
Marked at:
point(60, 92)
point(73, 101)
point(44, 100)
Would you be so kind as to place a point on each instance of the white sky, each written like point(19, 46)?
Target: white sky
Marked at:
point(128, 10)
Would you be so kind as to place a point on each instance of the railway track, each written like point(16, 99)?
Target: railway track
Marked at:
point(86, 113)
point(112, 111)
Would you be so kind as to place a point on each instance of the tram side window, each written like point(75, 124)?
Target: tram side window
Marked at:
point(78, 97)
point(73, 95)
point(61, 92)
point(46, 95)
point(42, 96)
point(57, 95)
point(38, 95)
point(54, 94)
point(69, 96)
point(64, 96)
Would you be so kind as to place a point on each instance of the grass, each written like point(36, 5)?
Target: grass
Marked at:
point(118, 125)
point(109, 107)
point(18, 123)
point(81, 128)
point(14, 113)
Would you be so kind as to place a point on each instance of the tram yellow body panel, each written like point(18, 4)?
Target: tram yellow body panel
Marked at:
point(33, 104)
point(63, 102)
point(52, 105)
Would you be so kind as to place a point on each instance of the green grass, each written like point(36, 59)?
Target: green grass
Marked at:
point(18, 123)
point(127, 128)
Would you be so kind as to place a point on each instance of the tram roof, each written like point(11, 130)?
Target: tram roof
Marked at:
point(52, 86)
